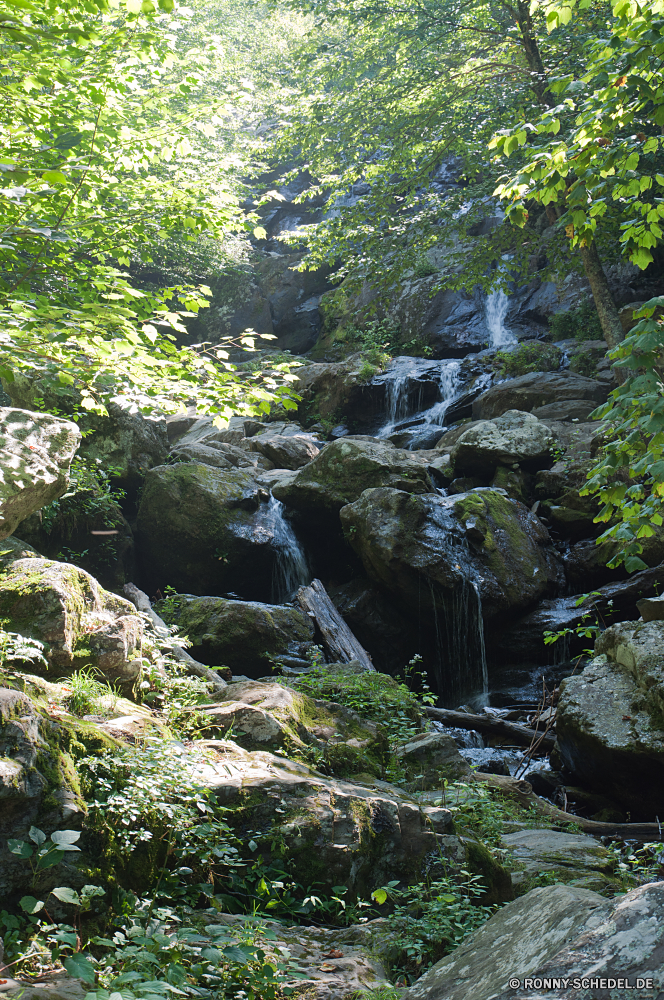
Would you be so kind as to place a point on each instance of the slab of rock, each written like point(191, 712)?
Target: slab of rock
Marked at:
point(127, 442)
point(36, 450)
point(608, 738)
point(538, 389)
point(618, 959)
point(513, 438)
point(286, 451)
point(514, 943)
point(344, 469)
point(651, 608)
point(80, 623)
point(429, 759)
point(51, 986)
point(575, 859)
point(242, 634)
point(204, 530)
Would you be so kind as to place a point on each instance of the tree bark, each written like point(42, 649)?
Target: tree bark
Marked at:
point(340, 642)
point(512, 731)
point(523, 18)
point(606, 307)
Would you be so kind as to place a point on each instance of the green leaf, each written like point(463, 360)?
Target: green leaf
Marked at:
point(20, 847)
point(36, 836)
point(66, 895)
point(65, 839)
point(30, 904)
point(80, 967)
point(379, 895)
point(54, 177)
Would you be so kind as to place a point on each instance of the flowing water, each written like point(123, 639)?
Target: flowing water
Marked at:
point(291, 569)
point(421, 426)
point(495, 310)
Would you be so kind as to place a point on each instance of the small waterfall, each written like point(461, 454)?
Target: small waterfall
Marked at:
point(461, 666)
point(291, 569)
point(495, 310)
point(396, 394)
point(423, 424)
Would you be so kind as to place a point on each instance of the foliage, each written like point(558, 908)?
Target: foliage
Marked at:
point(610, 115)
point(582, 324)
point(85, 693)
point(628, 477)
point(590, 625)
point(15, 648)
point(430, 919)
point(91, 497)
point(483, 811)
point(637, 865)
point(42, 854)
point(109, 146)
point(530, 357)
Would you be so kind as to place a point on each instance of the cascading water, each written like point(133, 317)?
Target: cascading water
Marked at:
point(291, 569)
point(495, 311)
point(423, 424)
point(461, 663)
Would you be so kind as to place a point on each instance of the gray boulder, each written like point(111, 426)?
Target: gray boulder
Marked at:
point(513, 438)
point(429, 759)
point(609, 725)
point(575, 859)
point(513, 944)
point(538, 389)
point(344, 469)
point(36, 450)
point(286, 451)
point(243, 635)
point(127, 442)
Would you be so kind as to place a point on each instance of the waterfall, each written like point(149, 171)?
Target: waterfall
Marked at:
point(421, 425)
point(461, 666)
point(291, 569)
point(495, 310)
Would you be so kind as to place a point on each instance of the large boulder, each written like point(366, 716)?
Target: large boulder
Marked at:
point(513, 438)
point(286, 451)
point(204, 530)
point(37, 450)
point(243, 635)
point(126, 442)
point(572, 858)
point(80, 623)
point(609, 720)
point(344, 469)
point(430, 759)
point(540, 389)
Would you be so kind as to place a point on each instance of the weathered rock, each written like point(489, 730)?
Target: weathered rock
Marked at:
point(513, 438)
point(243, 635)
point(609, 736)
point(538, 389)
point(52, 986)
point(13, 549)
point(514, 943)
point(206, 530)
point(620, 957)
point(344, 469)
point(80, 623)
point(378, 623)
point(652, 608)
point(586, 561)
point(36, 450)
point(126, 442)
point(286, 452)
point(567, 409)
point(574, 859)
point(408, 543)
point(429, 759)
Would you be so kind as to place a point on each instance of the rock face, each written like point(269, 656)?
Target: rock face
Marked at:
point(36, 450)
point(537, 390)
point(206, 530)
point(80, 623)
point(411, 543)
point(622, 955)
point(574, 859)
point(430, 758)
point(344, 469)
point(609, 725)
point(513, 438)
point(515, 943)
point(243, 635)
point(127, 442)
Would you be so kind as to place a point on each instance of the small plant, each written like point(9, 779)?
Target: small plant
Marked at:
point(581, 324)
point(85, 693)
point(532, 357)
point(16, 648)
point(591, 624)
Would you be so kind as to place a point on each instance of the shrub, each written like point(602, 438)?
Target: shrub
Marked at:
point(582, 324)
point(529, 357)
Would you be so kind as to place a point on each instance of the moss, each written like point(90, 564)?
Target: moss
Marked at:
point(480, 861)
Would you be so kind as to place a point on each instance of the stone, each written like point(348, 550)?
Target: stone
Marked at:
point(513, 438)
point(344, 469)
point(514, 943)
point(567, 409)
point(651, 608)
point(37, 450)
point(52, 986)
point(586, 561)
point(608, 735)
point(377, 622)
point(243, 635)
point(286, 452)
point(429, 759)
point(621, 956)
point(538, 389)
point(204, 530)
point(80, 623)
point(127, 442)
point(570, 858)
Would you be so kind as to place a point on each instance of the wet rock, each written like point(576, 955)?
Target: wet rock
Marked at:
point(429, 759)
point(244, 635)
point(37, 450)
point(80, 623)
point(586, 561)
point(513, 438)
point(609, 736)
point(573, 859)
point(206, 530)
point(378, 624)
point(344, 469)
point(286, 452)
point(619, 955)
point(410, 543)
point(538, 389)
point(514, 943)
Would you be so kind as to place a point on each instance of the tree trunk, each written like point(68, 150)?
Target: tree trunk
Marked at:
point(606, 307)
point(521, 14)
point(340, 642)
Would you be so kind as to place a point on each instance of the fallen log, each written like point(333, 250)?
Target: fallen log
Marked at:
point(340, 643)
point(522, 735)
point(522, 792)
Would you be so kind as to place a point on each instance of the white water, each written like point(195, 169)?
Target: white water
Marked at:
point(495, 311)
point(397, 391)
point(291, 569)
